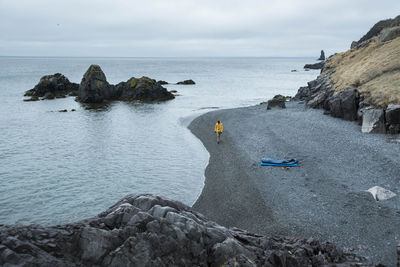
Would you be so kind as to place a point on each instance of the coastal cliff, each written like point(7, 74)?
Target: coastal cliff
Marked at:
point(363, 83)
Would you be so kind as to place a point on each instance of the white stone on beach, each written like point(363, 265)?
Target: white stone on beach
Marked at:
point(380, 193)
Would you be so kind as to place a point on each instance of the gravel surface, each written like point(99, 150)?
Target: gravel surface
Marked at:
point(325, 197)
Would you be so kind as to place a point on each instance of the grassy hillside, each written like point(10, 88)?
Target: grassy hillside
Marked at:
point(374, 70)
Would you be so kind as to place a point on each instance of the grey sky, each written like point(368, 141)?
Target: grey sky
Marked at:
point(186, 27)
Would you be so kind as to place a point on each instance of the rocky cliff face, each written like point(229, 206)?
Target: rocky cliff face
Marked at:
point(146, 230)
point(362, 84)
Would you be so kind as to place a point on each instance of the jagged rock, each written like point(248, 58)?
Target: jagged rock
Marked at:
point(277, 102)
point(144, 89)
point(56, 85)
point(186, 82)
point(373, 121)
point(322, 56)
point(380, 193)
point(345, 104)
point(146, 230)
point(94, 87)
point(318, 99)
point(302, 93)
point(162, 82)
point(389, 34)
point(392, 117)
point(315, 66)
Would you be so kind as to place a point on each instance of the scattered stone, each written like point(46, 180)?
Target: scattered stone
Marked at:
point(277, 102)
point(56, 85)
point(73, 109)
point(63, 110)
point(373, 121)
point(186, 82)
point(293, 70)
point(322, 56)
point(147, 230)
point(173, 91)
point(380, 193)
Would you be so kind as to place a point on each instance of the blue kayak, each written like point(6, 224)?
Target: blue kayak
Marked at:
point(279, 162)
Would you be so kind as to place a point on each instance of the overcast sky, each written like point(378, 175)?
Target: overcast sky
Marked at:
point(186, 27)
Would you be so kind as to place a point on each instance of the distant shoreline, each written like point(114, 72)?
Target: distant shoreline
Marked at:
point(324, 198)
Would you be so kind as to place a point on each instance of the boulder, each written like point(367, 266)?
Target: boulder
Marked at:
point(380, 193)
point(94, 87)
point(186, 82)
point(322, 56)
point(147, 230)
point(373, 121)
point(345, 104)
point(315, 66)
point(144, 89)
point(277, 102)
point(162, 82)
point(56, 84)
point(392, 114)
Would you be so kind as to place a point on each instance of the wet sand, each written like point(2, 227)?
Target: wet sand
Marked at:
point(324, 198)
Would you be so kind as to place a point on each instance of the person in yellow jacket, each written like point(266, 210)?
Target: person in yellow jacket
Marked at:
point(218, 129)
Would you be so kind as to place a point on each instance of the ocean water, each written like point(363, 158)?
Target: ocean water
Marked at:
point(61, 167)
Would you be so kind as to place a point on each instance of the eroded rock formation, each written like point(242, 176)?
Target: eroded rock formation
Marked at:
point(94, 88)
point(146, 230)
point(52, 86)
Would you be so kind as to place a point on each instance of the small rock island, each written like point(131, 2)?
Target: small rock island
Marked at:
point(94, 88)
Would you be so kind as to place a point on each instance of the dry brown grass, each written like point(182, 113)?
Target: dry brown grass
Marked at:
point(374, 70)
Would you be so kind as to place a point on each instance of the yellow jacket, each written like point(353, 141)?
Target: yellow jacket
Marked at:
point(218, 128)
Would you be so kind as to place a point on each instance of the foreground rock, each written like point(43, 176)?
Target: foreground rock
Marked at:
point(146, 230)
point(52, 86)
point(94, 88)
point(186, 82)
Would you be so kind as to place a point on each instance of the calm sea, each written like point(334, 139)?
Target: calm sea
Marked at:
point(62, 167)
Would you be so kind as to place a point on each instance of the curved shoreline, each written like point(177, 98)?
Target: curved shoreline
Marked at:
point(324, 198)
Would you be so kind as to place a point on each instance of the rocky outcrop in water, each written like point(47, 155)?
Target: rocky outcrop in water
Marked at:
point(146, 230)
point(315, 66)
point(186, 82)
point(52, 86)
point(94, 88)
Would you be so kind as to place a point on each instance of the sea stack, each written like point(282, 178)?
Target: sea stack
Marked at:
point(322, 56)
